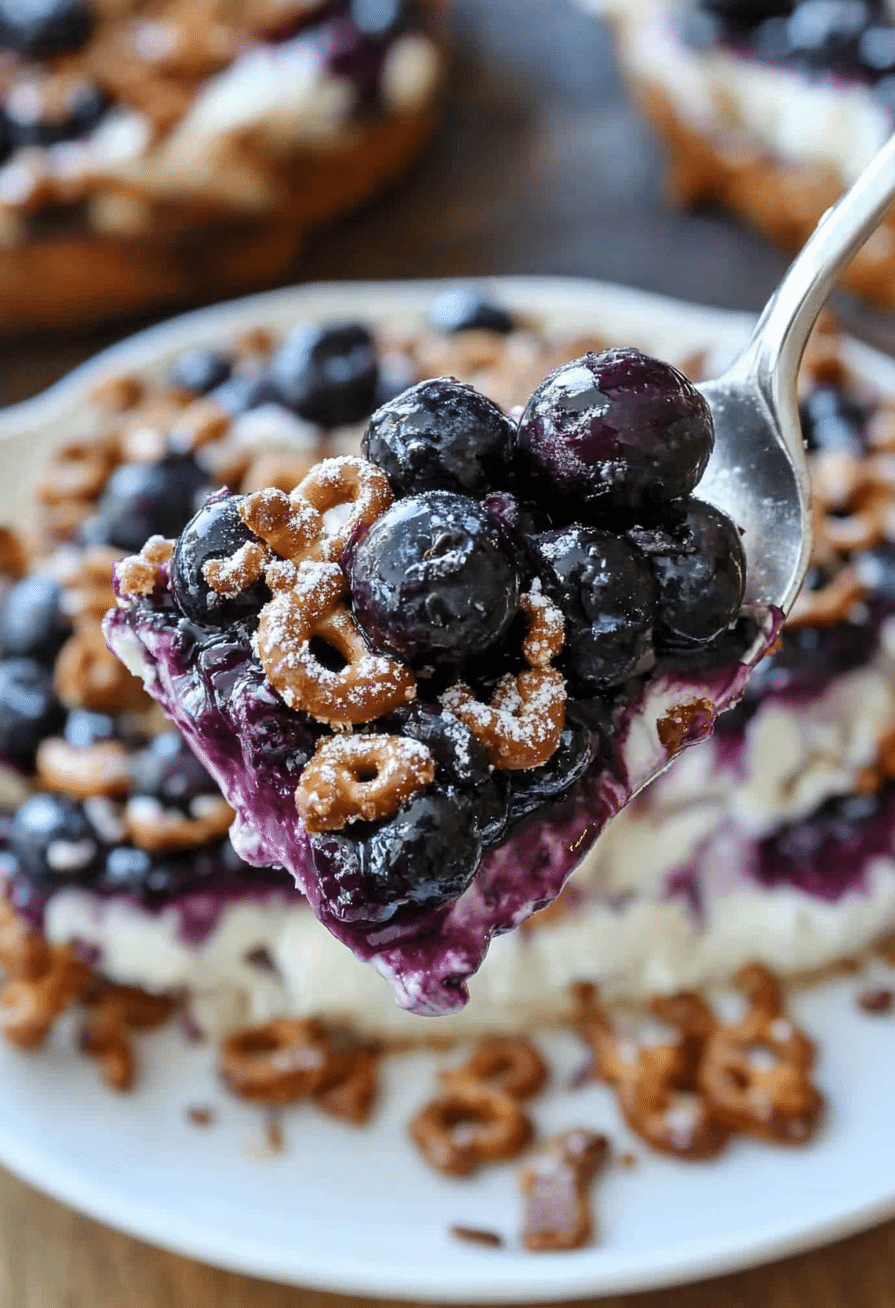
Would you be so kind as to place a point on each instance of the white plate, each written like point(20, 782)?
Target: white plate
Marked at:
point(356, 1210)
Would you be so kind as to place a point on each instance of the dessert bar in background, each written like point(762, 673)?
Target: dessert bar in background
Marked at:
point(160, 151)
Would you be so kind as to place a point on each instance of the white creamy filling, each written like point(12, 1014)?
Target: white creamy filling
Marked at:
point(831, 125)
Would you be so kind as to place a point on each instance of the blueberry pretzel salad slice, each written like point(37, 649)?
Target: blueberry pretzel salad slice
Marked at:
point(427, 676)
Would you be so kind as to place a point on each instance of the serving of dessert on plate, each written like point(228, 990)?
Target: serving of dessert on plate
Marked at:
point(770, 844)
point(769, 107)
point(157, 151)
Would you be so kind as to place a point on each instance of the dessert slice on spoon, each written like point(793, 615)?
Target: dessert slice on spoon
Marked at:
point(428, 677)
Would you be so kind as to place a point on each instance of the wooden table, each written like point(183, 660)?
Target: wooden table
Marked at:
point(539, 167)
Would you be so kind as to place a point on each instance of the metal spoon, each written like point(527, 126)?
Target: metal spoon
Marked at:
point(758, 472)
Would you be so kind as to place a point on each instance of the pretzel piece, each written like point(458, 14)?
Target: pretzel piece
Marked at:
point(354, 777)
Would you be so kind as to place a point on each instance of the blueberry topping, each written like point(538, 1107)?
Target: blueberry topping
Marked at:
point(328, 374)
point(464, 310)
point(83, 728)
point(41, 28)
point(200, 371)
point(245, 392)
point(29, 709)
point(615, 433)
point(434, 578)
point(168, 770)
point(607, 592)
point(425, 856)
point(832, 421)
point(28, 120)
point(32, 624)
point(529, 790)
point(216, 532)
point(145, 499)
point(702, 584)
point(440, 435)
point(53, 841)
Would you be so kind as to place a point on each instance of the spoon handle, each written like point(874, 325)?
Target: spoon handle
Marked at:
point(778, 342)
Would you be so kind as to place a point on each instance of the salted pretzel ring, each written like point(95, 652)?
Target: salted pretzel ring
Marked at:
point(656, 1084)
point(522, 725)
point(756, 1073)
point(369, 777)
point(282, 1060)
point(507, 1063)
point(309, 610)
point(469, 1125)
point(84, 770)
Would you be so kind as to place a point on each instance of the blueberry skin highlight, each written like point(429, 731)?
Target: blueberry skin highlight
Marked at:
point(216, 532)
point(701, 588)
point(611, 435)
point(441, 435)
point(434, 578)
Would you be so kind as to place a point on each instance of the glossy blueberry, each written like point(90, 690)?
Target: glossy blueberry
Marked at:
point(216, 532)
point(328, 374)
point(702, 583)
point(32, 624)
point(607, 592)
point(614, 433)
point(245, 392)
point(53, 840)
point(460, 761)
point(200, 371)
point(29, 709)
point(434, 579)
point(831, 420)
point(168, 770)
point(876, 49)
point(530, 789)
point(441, 435)
point(464, 310)
point(826, 33)
point(28, 121)
point(145, 499)
point(423, 857)
point(83, 728)
point(40, 28)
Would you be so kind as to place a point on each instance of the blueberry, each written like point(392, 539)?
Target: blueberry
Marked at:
point(29, 709)
point(168, 770)
point(877, 570)
point(423, 857)
point(464, 310)
point(607, 592)
point(200, 371)
point(826, 33)
point(377, 17)
point(145, 499)
point(32, 624)
point(702, 584)
point(53, 840)
point(31, 122)
point(83, 728)
point(831, 420)
point(615, 432)
point(216, 532)
point(153, 879)
point(876, 49)
point(434, 578)
point(328, 374)
point(245, 392)
point(441, 435)
point(460, 761)
point(40, 28)
point(529, 790)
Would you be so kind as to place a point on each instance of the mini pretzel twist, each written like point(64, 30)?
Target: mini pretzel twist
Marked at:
point(88, 675)
point(84, 770)
point(293, 525)
point(30, 1005)
point(354, 777)
point(280, 1061)
point(507, 1063)
point(522, 725)
point(555, 1187)
point(756, 1073)
point(114, 1011)
point(656, 1084)
point(139, 574)
point(469, 1125)
point(309, 610)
